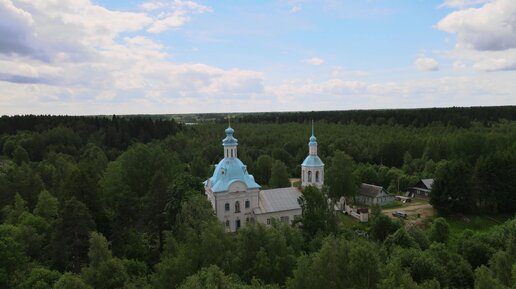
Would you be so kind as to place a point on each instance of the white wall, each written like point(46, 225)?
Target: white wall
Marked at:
point(291, 214)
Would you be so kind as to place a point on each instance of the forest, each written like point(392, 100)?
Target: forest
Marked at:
point(118, 201)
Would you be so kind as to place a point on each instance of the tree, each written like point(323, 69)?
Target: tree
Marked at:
point(474, 249)
point(104, 271)
point(338, 264)
point(20, 155)
point(451, 191)
point(98, 252)
point(279, 175)
point(199, 167)
point(501, 266)
point(72, 231)
point(12, 257)
point(485, 280)
point(263, 169)
point(340, 179)
point(381, 227)
point(19, 208)
point(266, 253)
point(213, 277)
point(70, 281)
point(439, 231)
point(47, 206)
point(400, 238)
point(154, 213)
point(40, 278)
point(317, 214)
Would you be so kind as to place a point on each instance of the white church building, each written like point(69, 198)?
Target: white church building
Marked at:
point(237, 199)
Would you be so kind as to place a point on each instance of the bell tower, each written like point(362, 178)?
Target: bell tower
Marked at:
point(312, 168)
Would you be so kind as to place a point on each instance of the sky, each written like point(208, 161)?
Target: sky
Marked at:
point(84, 57)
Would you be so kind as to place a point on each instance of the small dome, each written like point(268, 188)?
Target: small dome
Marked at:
point(229, 130)
point(313, 139)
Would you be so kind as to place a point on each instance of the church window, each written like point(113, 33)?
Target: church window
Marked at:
point(247, 204)
point(227, 223)
point(309, 176)
point(226, 207)
point(247, 220)
point(231, 152)
point(317, 176)
point(268, 221)
point(237, 224)
point(237, 207)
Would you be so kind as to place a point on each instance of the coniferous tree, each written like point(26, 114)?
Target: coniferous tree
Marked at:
point(72, 231)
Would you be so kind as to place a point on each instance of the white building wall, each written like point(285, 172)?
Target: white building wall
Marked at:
point(306, 181)
point(266, 218)
point(237, 193)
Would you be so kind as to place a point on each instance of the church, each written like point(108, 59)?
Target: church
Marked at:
point(237, 198)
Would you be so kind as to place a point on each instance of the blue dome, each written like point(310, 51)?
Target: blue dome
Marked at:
point(228, 171)
point(312, 161)
point(230, 140)
point(229, 130)
point(313, 140)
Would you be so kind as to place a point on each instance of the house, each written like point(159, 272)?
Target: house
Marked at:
point(373, 195)
point(422, 188)
point(237, 198)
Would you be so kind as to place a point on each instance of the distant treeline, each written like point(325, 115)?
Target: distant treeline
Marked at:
point(453, 116)
point(113, 131)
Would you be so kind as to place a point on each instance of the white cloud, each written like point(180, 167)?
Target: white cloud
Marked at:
point(171, 15)
point(490, 27)
point(462, 3)
point(345, 94)
point(87, 63)
point(424, 63)
point(295, 5)
point(339, 72)
point(16, 28)
point(314, 61)
point(295, 9)
point(459, 65)
point(486, 35)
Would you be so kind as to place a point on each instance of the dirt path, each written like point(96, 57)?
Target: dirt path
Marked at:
point(417, 213)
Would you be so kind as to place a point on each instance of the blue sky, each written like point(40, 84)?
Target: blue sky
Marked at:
point(104, 57)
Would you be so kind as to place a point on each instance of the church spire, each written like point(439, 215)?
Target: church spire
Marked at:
point(312, 144)
point(230, 143)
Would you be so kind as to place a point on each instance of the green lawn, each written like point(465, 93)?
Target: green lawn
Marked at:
point(479, 223)
point(346, 222)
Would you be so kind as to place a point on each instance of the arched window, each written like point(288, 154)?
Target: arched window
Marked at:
point(309, 176)
point(237, 207)
point(317, 176)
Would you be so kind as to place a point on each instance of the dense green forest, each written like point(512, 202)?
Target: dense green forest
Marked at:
point(117, 202)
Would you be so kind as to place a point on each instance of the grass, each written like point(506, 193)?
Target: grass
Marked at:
point(346, 222)
point(477, 223)
point(393, 205)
